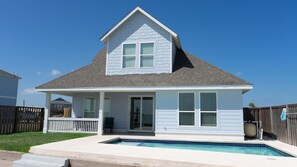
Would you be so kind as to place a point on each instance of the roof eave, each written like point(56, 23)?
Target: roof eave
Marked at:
point(11, 76)
point(146, 89)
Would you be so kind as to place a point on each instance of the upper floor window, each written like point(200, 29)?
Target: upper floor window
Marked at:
point(129, 54)
point(146, 54)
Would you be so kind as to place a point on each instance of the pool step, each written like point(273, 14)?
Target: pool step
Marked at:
point(33, 160)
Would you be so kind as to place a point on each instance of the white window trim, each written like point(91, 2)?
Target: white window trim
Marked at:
point(140, 55)
point(95, 104)
point(217, 110)
point(122, 58)
point(178, 111)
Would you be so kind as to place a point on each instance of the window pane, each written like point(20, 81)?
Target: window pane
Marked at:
point(208, 119)
point(186, 102)
point(208, 102)
point(186, 118)
point(147, 113)
point(128, 61)
point(147, 61)
point(106, 107)
point(129, 49)
point(135, 113)
point(147, 48)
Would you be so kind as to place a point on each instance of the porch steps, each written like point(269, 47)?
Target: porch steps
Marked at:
point(33, 160)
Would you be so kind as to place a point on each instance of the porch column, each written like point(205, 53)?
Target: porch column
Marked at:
point(101, 114)
point(48, 97)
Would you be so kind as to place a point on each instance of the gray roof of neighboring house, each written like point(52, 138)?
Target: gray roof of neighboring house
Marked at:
point(188, 70)
point(7, 74)
point(60, 101)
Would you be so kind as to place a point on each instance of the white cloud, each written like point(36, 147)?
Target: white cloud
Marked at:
point(55, 72)
point(238, 74)
point(29, 91)
point(38, 73)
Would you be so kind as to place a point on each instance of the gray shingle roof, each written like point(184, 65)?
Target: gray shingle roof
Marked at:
point(7, 74)
point(60, 101)
point(188, 70)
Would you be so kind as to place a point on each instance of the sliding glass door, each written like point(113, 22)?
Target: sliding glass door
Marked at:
point(141, 113)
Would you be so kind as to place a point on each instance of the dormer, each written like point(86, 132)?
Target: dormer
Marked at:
point(140, 44)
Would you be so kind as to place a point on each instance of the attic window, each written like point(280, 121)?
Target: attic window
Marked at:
point(129, 52)
point(147, 55)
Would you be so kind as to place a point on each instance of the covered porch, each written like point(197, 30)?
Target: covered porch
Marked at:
point(130, 111)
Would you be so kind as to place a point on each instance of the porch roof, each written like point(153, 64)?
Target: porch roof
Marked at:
point(188, 71)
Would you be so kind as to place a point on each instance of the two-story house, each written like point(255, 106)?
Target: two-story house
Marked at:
point(8, 88)
point(148, 83)
point(59, 107)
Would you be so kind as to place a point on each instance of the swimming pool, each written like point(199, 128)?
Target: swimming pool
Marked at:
point(241, 148)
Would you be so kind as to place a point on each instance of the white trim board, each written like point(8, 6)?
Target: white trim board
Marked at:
point(145, 89)
point(147, 15)
point(8, 97)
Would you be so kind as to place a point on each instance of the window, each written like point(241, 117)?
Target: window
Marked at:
point(129, 51)
point(208, 109)
point(147, 55)
point(89, 107)
point(186, 109)
point(107, 107)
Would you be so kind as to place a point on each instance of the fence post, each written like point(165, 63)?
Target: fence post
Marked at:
point(288, 126)
point(259, 114)
point(41, 119)
point(15, 121)
point(271, 121)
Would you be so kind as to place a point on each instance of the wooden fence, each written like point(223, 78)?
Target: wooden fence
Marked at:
point(20, 119)
point(273, 126)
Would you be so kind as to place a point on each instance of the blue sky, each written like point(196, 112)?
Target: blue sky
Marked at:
point(255, 40)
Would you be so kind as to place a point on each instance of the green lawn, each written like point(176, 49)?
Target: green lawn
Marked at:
point(22, 142)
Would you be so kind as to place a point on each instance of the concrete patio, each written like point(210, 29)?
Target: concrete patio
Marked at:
point(90, 149)
point(7, 157)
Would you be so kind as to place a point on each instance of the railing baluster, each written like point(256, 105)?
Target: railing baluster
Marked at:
point(84, 125)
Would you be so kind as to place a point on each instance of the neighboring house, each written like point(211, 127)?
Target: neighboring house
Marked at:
point(148, 83)
point(58, 105)
point(8, 88)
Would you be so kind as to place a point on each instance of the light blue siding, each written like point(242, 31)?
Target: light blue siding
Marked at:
point(139, 28)
point(8, 91)
point(230, 116)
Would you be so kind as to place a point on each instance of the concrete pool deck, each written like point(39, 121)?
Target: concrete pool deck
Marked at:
point(90, 149)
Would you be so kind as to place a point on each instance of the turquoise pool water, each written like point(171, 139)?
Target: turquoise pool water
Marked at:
point(242, 148)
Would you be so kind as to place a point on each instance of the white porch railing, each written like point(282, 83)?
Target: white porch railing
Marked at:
point(82, 125)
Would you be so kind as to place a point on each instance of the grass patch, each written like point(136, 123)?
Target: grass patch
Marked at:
point(22, 142)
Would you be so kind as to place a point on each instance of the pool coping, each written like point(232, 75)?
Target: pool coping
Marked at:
point(90, 148)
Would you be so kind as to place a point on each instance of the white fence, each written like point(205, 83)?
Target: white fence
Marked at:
point(82, 125)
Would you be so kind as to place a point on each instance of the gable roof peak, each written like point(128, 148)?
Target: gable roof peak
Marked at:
point(138, 9)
